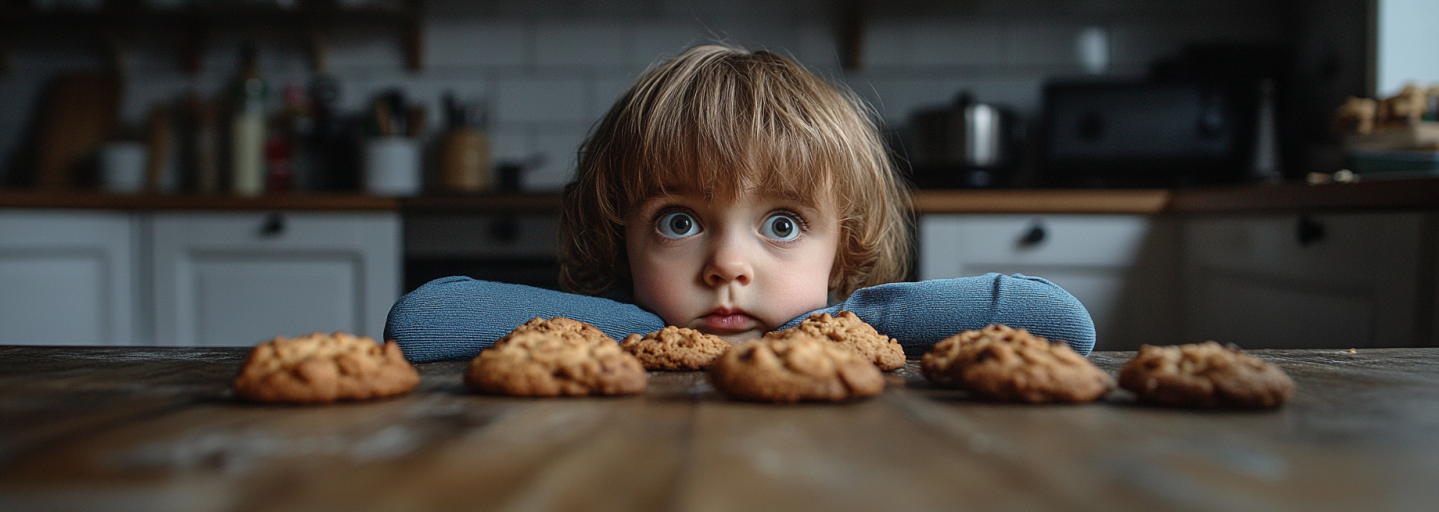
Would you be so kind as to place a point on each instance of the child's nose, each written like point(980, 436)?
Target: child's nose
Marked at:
point(728, 262)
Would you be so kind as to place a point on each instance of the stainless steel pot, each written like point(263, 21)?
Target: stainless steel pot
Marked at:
point(966, 138)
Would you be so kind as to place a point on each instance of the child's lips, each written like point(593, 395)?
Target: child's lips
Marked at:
point(729, 322)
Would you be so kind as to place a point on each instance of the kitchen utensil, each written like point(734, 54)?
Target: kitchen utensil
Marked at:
point(80, 115)
point(123, 167)
point(966, 143)
point(392, 166)
point(159, 175)
point(417, 120)
point(465, 160)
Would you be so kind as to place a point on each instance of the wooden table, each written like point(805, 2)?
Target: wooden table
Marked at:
point(156, 429)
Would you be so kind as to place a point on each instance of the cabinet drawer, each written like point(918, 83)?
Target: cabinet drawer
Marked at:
point(1255, 313)
point(242, 278)
point(1093, 257)
point(66, 278)
point(948, 243)
point(1336, 280)
point(1339, 249)
point(437, 236)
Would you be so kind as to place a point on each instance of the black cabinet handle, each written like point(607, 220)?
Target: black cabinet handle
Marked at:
point(1309, 230)
point(273, 226)
point(1034, 236)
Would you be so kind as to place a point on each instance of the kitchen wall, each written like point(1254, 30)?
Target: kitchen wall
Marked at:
point(551, 68)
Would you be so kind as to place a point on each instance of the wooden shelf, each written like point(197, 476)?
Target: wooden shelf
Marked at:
point(1407, 194)
point(1396, 194)
point(1042, 201)
point(107, 201)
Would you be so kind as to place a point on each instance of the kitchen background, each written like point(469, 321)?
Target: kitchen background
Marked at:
point(548, 69)
point(531, 77)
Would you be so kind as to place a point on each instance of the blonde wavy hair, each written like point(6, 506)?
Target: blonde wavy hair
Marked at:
point(721, 120)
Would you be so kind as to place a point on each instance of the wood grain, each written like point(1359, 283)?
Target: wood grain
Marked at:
point(1142, 202)
point(84, 428)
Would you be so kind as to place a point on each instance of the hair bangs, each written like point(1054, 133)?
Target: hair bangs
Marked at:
point(728, 129)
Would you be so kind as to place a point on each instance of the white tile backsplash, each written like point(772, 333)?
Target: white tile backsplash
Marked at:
point(559, 149)
point(655, 40)
point(605, 91)
point(588, 45)
point(508, 145)
point(886, 44)
point(957, 43)
point(366, 47)
point(540, 100)
point(468, 43)
point(1043, 44)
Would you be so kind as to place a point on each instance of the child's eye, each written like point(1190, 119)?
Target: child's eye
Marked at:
point(780, 226)
point(677, 225)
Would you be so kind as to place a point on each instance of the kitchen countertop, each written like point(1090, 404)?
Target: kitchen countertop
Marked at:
point(144, 428)
point(1405, 194)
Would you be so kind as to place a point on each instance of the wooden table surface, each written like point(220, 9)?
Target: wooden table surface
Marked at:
point(156, 429)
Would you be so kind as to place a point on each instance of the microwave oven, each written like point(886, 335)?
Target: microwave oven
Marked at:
point(1144, 134)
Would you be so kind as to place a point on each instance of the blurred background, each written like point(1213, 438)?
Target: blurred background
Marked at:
point(534, 75)
point(216, 172)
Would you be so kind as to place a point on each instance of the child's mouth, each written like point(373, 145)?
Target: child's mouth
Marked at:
point(729, 322)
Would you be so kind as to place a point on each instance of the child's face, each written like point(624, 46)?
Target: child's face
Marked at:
point(733, 269)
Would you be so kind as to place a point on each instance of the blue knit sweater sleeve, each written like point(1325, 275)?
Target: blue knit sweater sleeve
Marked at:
point(923, 313)
point(453, 318)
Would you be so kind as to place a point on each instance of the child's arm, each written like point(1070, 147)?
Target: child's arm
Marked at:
point(923, 313)
point(455, 317)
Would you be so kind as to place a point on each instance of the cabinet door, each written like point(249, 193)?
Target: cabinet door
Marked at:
point(1302, 281)
point(1093, 257)
point(65, 278)
point(241, 278)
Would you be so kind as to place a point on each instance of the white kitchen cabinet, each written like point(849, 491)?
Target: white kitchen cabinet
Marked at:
point(1311, 281)
point(67, 277)
point(241, 278)
point(1120, 267)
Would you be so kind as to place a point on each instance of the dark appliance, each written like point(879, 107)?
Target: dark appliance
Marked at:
point(1213, 113)
point(966, 144)
point(1114, 134)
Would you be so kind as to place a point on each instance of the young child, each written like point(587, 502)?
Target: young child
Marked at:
point(733, 193)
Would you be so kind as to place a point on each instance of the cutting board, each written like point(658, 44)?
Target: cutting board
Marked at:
point(80, 114)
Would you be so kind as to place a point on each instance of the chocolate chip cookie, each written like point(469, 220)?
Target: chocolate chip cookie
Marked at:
point(556, 357)
point(319, 367)
point(1204, 375)
point(676, 348)
point(561, 326)
point(795, 367)
point(1012, 365)
point(848, 330)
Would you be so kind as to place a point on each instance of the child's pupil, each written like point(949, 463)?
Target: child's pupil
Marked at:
point(782, 227)
point(680, 224)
